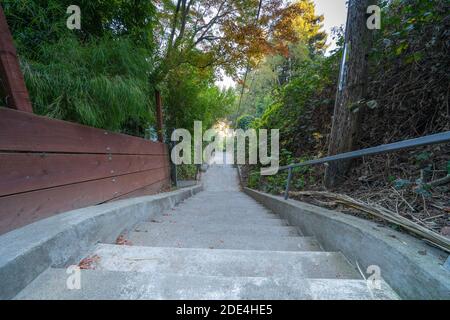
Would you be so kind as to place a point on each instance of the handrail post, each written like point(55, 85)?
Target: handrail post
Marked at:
point(288, 184)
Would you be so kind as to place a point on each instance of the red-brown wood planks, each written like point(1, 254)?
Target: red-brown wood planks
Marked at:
point(152, 189)
point(23, 172)
point(24, 208)
point(49, 166)
point(22, 131)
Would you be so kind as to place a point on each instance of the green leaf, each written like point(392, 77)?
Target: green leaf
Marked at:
point(401, 48)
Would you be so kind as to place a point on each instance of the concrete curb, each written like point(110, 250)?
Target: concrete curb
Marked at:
point(412, 268)
point(186, 183)
point(61, 240)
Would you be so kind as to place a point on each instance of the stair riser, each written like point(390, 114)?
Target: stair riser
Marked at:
point(220, 214)
point(221, 208)
point(226, 263)
point(231, 219)
point(224, 221)
point(225, 242)
point(212, 229)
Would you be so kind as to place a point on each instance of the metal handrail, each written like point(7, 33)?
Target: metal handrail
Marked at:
point(385, 148)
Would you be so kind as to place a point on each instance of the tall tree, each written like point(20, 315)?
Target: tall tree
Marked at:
point(221, 34)
point(351, 89)
point(226, 32)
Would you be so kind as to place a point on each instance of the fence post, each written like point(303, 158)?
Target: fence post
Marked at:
point(10, 74)
point(159, 116)
point(173, 166)
point(288, 184)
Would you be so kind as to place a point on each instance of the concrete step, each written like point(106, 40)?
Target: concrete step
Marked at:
point(222, 210)
point(223, 197)
point(224, 220)
point(106, 285)
point(195, 228)
point(235, 214)
point(224, 241)
point(225, 263)
point(219, 194)
point(223, 201)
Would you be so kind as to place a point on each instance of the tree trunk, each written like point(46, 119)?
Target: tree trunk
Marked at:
point(351, 90)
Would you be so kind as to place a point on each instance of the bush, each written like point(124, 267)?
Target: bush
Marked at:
point(244, 122)
point(102, 84)
point(187, 172)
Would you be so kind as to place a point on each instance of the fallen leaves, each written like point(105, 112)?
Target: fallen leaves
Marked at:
point(122, 241)
point(89, 263)
point(383, 213)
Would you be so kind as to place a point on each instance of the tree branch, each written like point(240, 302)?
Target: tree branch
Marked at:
point(211, 23)
point(174, 27)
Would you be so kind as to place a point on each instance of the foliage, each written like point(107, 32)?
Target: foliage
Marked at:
point(97, 76)
point(35, 22)
point(307, 88)
point(103, 84)
point(191, 95)
point(407, 97)
point(186, 172)
point(228, 32)
point(104, 74)
point(244, 122)
point(408, 70)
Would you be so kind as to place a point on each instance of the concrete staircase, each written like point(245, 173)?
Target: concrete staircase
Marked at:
point(219, 244)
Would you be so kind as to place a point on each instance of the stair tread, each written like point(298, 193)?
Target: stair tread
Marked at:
point(100, 284)
point(218, 244)
point(275, 220)
point(224, 211)
point(168, 219)
point(225, 241)
point(249, 263)
point(159, 229)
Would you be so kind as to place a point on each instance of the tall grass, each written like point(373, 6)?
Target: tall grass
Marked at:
point(101, 83)
point(97, 76)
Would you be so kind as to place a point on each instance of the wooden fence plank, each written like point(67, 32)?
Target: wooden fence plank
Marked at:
point(21, 209)
point(23, 172)
point(154, 188)
point(22, 131)
point(10, 73)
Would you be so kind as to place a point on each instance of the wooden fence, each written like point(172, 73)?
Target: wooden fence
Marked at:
point(49, 166)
